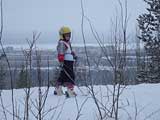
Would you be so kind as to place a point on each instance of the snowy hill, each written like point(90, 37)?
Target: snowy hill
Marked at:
point(139, 102)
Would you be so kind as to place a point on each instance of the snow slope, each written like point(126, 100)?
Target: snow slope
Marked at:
point(138, 102)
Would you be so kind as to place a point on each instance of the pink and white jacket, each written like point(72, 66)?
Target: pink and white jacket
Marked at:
point(64, 51)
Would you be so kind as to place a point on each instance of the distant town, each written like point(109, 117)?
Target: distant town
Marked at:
point(46, 60)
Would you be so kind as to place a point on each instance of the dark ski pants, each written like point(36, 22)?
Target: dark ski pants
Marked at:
point(66, 77)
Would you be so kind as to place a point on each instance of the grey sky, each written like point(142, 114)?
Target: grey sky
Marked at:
point(22, 17)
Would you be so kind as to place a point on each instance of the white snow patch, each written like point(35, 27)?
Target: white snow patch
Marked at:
point(144, 98)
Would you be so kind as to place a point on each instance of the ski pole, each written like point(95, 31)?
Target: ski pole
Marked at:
point(72, 79)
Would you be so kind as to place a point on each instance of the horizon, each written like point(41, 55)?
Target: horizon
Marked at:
point(54, 45)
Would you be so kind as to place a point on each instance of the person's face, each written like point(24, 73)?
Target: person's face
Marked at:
point(67, 36)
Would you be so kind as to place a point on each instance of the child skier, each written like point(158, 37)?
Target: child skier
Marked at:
point(66, 58)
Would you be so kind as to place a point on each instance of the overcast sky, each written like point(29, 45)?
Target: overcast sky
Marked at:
point(22, 17)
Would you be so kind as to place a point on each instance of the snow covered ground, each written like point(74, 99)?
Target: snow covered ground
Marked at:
point(138, 102)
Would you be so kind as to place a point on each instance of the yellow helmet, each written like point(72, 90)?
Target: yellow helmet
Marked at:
point(63, 31)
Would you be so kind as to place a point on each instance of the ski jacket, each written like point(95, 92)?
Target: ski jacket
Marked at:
point(64, 51)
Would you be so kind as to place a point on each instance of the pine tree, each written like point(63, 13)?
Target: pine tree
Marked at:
point(23, 81)
point(55, 76)
point(2, 72)
point(149, 25)
point(2, 77)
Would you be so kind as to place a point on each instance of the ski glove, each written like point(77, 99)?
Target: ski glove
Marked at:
point(61, 57)
point(74, 55)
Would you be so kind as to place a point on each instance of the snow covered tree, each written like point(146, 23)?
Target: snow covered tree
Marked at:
point(149, 25)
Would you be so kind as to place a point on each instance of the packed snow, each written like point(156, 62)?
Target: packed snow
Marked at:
point(137, 102)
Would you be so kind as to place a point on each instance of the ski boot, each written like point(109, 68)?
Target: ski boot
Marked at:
point(70, 93)
point(58, 91)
